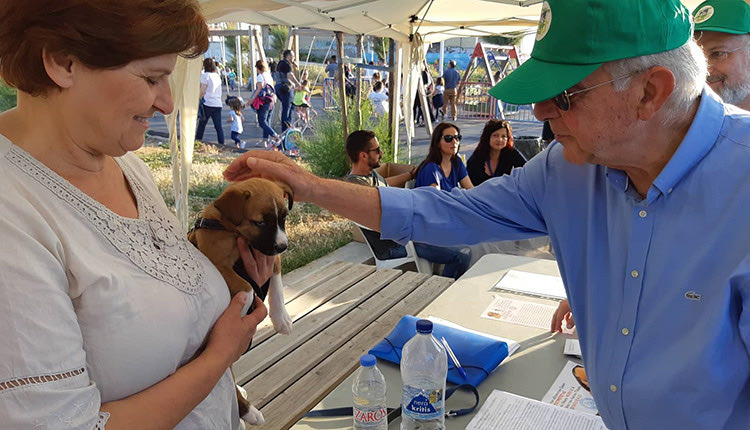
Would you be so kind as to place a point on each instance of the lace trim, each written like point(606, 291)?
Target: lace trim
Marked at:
point(102, 421)
point(153, 243)
point(41, 379)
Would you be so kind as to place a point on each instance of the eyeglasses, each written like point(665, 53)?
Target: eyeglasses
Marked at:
point(376, 149)
point(562, 100)
point(448, 138)
point(720, 56)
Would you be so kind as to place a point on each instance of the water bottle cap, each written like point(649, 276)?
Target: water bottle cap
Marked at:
point(367, 360)
point(424, 326)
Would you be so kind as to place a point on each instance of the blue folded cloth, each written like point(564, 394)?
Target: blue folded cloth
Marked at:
point(479, 355)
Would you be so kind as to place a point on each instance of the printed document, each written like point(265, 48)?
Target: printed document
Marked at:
point(520, 312)
point(567, 392)
point(508, 411)
point(532, 283)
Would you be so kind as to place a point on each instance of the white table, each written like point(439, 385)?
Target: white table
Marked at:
point(529, 372)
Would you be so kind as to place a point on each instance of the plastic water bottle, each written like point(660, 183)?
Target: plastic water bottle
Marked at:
point(424, 368)
point(368, 390)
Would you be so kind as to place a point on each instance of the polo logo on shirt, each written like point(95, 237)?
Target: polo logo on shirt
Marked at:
point(692, 295)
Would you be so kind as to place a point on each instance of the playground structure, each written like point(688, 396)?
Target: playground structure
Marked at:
point(474, 100)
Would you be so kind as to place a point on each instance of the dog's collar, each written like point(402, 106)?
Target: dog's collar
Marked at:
point(210, 224)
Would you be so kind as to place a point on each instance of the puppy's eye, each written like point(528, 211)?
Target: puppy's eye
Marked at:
point(259, 223)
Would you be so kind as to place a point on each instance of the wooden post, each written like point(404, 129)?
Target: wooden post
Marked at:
point(394, 91)
point(358, 98)
point(251, 43)
point(341, 79)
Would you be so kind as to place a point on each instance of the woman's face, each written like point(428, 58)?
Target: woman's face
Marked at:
point(449, 148)
point(499, 139)
point(108, 110)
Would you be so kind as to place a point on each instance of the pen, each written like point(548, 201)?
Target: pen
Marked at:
point(453, 357)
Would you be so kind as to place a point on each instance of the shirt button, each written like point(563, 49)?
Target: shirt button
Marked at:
point(634, 273)
point(613, 388)
point(642, 214)
point(625, 331)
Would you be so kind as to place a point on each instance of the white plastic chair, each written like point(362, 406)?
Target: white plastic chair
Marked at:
point(423, 266)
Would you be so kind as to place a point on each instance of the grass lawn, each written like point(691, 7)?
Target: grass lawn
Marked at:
point(313, 232)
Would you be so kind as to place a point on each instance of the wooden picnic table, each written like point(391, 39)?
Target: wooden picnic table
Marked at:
point(339, 313)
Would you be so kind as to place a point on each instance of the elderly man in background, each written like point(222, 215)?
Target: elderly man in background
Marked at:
point(644, 195)
point(722, 28)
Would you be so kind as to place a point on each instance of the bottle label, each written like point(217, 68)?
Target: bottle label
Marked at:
point(422, 404)
point(369, 416)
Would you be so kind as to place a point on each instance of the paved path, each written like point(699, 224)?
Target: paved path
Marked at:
point(471, 129)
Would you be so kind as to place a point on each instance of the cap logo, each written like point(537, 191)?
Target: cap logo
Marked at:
point(704, 14)
point(545, 20)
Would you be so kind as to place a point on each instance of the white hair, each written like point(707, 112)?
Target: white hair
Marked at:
point(688, 65)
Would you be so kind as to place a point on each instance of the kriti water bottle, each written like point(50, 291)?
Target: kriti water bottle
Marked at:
point(424, 368)
point(368, 390)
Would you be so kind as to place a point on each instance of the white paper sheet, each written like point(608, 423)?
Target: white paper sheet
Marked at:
point(508, 411)
point(532, 283)
point(512, 344)
point(572, 347)
point(520, 312)
point(566, 392)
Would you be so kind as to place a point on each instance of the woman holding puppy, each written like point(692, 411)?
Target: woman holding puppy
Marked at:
point(108, 316)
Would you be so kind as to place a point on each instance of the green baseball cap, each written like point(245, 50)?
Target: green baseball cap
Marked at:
point(575, 37)
point(726, 16)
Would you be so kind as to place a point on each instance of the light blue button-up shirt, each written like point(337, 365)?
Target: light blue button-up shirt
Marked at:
point(659, 286)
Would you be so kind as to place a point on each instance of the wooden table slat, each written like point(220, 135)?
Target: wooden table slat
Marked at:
point(286, 409)
point(275, 348)
point(294, 365)
point(304, 304)
point(297, 287)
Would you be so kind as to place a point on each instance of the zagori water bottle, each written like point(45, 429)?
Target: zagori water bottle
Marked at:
point(368, 390)
point(424, 368)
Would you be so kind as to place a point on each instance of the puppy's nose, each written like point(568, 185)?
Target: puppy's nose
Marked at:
point(280, 247)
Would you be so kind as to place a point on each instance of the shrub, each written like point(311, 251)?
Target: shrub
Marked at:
point(325, 150)
point(7, 97)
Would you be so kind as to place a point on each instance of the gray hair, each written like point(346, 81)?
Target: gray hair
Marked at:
point(688, 65)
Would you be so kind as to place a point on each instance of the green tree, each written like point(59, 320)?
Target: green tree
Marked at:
point(278, 34)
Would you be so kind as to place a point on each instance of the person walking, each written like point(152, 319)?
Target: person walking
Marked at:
point(210, 100)
point(451, 79)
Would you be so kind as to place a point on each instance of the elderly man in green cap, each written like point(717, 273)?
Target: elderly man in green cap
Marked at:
point(645, 196)
point(722, 28)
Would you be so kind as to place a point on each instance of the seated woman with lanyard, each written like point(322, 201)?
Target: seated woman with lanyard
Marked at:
point(442, 168)
point(495, 154)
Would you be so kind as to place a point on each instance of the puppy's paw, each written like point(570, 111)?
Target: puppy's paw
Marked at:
point(282, 322)
point(254, 417)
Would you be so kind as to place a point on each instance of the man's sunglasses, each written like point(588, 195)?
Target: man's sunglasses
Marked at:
point(449, 137)
point(562, 100)
point(377, 149)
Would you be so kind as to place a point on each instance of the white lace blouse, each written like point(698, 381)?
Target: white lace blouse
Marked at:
point(95, 307)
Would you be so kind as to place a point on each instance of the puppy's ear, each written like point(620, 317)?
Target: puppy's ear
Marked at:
point(287, 193)
point(231, 204)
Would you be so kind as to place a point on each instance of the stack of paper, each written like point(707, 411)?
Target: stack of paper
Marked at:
point(532, 283)
point(508, 411)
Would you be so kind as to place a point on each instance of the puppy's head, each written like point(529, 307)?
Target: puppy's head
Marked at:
point(255, 208)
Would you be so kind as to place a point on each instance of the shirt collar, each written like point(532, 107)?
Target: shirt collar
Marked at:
point(698, 141)
point(700, 138)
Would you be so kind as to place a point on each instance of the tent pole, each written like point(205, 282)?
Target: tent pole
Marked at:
point(341, 78)
point(238, 60)
point(394, 89)
point(251, 43)
point(360, 50)
point(442, 57)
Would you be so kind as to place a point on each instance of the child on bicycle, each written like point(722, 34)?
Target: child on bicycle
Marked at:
point(301, 102)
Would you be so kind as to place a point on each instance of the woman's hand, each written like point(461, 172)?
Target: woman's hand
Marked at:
point(562, 313)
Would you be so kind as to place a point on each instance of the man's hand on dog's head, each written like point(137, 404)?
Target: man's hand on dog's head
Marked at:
point(258, 265)
point(272, 165)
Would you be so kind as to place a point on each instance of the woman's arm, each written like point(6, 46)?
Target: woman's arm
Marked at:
point(466, 183)
point(203, 90)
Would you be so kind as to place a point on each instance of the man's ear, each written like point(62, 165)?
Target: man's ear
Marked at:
point(231, 204)
point(657, 87)
point(59, 67)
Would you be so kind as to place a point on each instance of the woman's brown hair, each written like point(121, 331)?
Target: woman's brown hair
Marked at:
point(101, 34)
point(483, 148)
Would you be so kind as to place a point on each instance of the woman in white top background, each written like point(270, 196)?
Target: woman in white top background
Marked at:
point(211, 100)
point(262, 101)
point(108, 315)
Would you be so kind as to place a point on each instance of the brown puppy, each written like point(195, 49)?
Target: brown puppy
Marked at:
point(254, 209)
